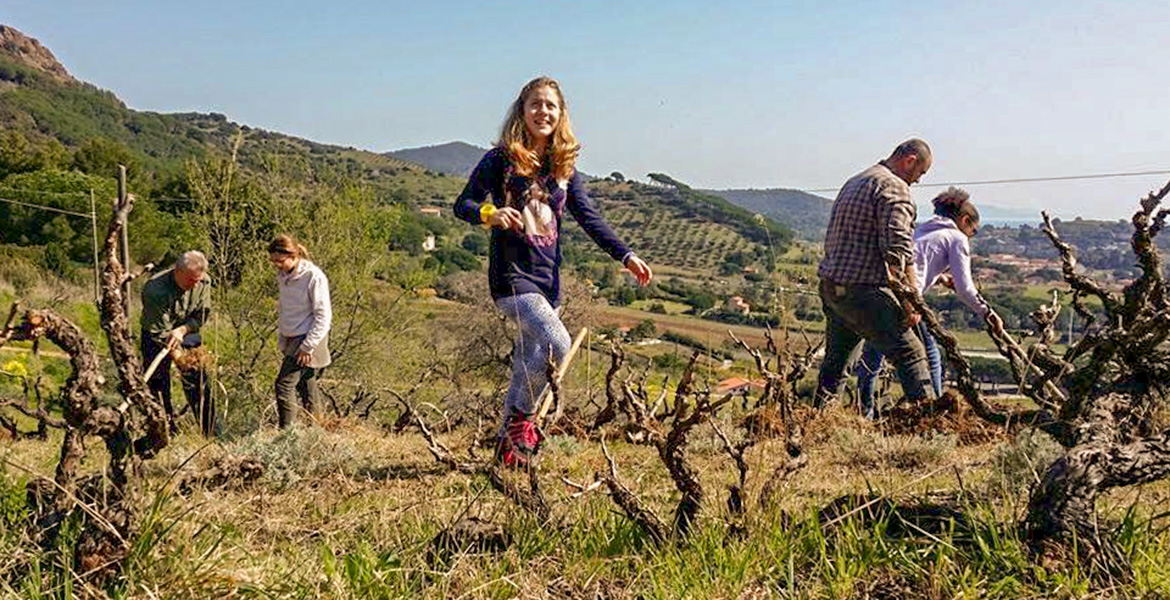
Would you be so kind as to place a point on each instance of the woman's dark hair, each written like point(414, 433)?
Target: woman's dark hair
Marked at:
point(954, 203)
point(288, 245)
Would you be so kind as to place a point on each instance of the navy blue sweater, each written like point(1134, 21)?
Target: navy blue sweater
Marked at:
point(519, 262)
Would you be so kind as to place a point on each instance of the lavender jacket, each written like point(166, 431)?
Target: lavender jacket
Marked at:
point(940, 247)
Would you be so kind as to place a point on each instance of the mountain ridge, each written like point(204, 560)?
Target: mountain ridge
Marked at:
point(456, 158)
point(807, 213)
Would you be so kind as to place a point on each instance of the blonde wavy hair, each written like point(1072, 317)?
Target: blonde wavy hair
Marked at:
point(563, 148)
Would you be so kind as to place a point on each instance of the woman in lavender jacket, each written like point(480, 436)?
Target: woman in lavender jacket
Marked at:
point(942, 254)
point(521, 190)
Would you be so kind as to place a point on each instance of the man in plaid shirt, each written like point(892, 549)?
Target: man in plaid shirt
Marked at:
point(870, 238)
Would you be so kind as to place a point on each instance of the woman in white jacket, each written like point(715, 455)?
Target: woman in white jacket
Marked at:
point(942, 254)
point(303, 327)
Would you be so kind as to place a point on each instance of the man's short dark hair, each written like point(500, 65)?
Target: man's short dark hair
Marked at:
point(913, 146)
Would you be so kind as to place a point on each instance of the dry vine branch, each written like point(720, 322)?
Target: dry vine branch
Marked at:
point(629, 502)
point(668, 434)
point(780, 393)
point(531, 500)
point(965, 380)
point(736, 501)
point(103, 539)
point(612, 394)
point(33, 406)
point(107, 503)
point(1037, 360)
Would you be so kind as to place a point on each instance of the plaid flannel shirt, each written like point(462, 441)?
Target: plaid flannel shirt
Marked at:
point(872, 224)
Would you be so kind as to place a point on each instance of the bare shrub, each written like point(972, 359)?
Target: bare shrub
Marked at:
point(297, 453)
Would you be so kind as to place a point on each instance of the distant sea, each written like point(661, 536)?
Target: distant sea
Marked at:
point(1006, 223)
point(1033, 221)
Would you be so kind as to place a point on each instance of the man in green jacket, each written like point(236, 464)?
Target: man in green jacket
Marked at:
point(175, 304)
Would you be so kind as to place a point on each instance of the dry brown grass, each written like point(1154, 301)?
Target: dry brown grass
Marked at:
point(347, 510)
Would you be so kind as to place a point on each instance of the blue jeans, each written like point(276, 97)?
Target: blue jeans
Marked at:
point(871, 362)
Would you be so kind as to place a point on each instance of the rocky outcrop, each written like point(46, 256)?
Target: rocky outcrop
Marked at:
point(30, 52)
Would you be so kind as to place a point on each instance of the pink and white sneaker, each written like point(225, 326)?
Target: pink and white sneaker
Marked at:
point(520, 442)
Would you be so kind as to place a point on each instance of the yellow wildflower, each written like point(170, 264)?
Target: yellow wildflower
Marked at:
point(15, 368)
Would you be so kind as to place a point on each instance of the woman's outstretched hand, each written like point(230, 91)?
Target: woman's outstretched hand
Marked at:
point(507, 218)
point(640, 269)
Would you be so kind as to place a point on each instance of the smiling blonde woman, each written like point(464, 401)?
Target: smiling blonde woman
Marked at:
point(521, 190)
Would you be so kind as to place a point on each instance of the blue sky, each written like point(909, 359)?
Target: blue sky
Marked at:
point(735, 94)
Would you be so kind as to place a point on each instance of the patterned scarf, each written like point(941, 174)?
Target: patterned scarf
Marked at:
point(535, 206)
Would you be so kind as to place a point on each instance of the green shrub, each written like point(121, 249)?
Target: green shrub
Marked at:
point(643, 330)
point(19, 272)
point(475, 242)
point(862, 449)
point(670, 362)
point(1020, 462)
point(453, 260)
point(301, 452)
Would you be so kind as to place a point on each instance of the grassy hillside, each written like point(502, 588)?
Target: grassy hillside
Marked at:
point(665, 233)
point(670, 225)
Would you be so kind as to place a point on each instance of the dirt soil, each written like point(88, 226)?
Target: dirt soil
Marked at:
point(948, 414)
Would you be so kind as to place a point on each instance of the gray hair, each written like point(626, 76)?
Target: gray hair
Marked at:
point(192, 260)
point(912, 146)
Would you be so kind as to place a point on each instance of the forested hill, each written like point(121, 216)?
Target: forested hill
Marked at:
point(452, 158)
point(807, 213)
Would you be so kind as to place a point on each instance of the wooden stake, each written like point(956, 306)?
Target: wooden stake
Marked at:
point(97, 277)
point(122, 196)
point(154, 363)
point(545, 398)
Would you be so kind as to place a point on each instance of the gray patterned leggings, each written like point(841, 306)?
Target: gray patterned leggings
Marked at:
point(540, 329)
